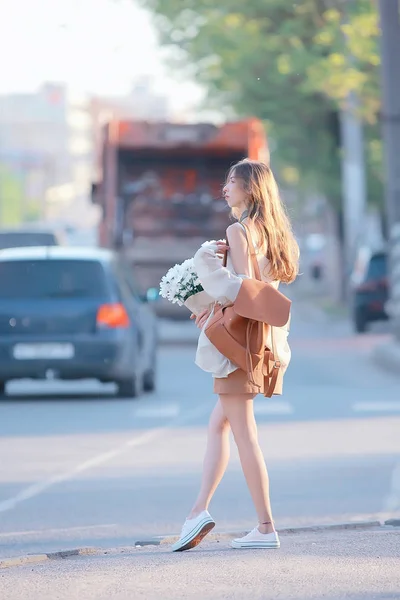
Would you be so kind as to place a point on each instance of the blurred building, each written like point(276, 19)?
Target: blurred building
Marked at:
point(45, 142)
point(49, 148)
point(33, 131)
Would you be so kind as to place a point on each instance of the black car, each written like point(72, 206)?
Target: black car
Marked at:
point(370, 289)
point(74, 313)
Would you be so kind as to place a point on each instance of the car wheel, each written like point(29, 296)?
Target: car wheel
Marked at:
point(149, 381)
point(360, 322)
point(2, 388)
point(129, 388)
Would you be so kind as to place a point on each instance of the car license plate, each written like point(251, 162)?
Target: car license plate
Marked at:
point(38, 351)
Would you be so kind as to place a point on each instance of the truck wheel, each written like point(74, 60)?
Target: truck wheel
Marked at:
point(149, 381)
point(360, 322)
point(129, 388)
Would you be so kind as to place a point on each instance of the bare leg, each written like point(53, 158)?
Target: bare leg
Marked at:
point(215, 460)
point(240, 414)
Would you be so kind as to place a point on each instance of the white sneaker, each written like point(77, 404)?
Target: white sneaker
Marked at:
point(255, 539)
point(193, 531)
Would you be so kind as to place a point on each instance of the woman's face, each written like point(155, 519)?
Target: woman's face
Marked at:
point(234, 193)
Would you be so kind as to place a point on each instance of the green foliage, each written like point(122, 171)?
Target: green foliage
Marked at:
point(33, 211)
point(11, 198)
point(292, 64)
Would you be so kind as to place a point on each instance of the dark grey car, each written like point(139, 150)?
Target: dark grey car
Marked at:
point(74, 313)
point(370, 290)
point(18, 238)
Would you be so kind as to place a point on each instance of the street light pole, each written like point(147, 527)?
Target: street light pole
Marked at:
point(354, 186)
point(353, 179)
point(390, 51)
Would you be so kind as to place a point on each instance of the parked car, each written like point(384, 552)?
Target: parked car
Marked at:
point(16, 238)
point(370, 288)
point(74, 313)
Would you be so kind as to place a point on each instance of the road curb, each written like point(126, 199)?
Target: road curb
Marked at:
point(387, 356)
point(170, 539)
point(19, 561)
point(32, 559)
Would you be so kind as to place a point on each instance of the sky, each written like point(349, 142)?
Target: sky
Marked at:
point(95, 46)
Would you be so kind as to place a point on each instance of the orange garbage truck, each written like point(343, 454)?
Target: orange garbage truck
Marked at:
point(160, 191)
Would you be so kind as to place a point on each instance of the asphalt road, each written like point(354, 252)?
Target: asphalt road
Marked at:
point(80, 467)
point(345, 565)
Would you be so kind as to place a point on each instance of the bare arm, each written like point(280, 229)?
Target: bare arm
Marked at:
point(238, 248)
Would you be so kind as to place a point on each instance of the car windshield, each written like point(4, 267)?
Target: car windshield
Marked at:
point(20, 239)
point(377, 267)
point(36, 279)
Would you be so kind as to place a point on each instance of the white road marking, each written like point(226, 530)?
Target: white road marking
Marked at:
point(268, 407)
point(384, 406)
point(158, 411)
point(54, 531)
point(41, 486)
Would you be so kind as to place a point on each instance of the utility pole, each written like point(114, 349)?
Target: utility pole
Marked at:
point(390, 51)
point(353, 179)
point(354, 187)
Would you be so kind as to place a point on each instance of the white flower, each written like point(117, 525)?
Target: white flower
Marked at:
point(180, 282)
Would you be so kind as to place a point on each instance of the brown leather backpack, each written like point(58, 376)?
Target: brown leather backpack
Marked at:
point(239, 330)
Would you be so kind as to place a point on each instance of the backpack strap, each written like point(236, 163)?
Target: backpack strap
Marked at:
point(271, 376)
point(270, 355)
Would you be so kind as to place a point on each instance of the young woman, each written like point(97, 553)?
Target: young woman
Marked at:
point(252, 194)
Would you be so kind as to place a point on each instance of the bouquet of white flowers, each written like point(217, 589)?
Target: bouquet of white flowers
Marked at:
point(181, 285)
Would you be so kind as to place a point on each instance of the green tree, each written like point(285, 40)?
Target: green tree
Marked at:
point(11, 197)
point(292, 64)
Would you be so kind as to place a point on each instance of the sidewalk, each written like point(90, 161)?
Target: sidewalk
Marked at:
point(387, 356)
point(333, 564)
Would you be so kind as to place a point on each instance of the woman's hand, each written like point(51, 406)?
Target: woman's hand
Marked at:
point(201, 318)
point(222, 247)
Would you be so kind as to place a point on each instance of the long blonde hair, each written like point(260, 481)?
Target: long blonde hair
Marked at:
point(267, 212)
